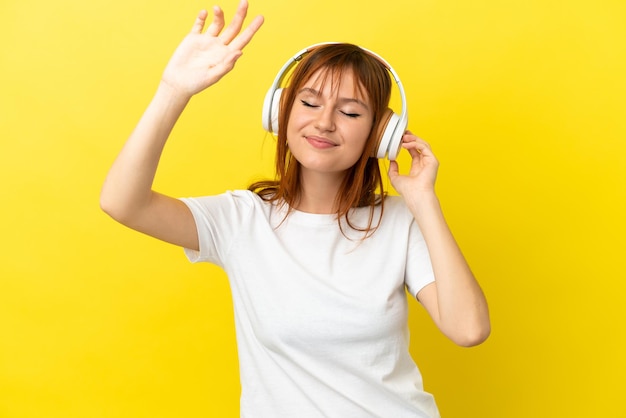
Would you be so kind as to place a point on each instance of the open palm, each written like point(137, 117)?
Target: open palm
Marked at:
point(202, 59)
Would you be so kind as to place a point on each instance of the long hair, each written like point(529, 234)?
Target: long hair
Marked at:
point(362, 185)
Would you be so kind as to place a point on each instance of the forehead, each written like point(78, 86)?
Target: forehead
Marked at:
point(337, 81)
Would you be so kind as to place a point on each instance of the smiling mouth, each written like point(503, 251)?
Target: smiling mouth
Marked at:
point(320, 143)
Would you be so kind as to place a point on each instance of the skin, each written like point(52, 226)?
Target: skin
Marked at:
point(326, 132)
point(454, 301)
point(200, 61)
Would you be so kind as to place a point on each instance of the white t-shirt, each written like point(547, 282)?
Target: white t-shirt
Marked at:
point(321, 320)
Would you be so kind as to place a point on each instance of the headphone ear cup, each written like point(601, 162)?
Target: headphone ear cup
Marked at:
point(271, 105)
point(381, 146)
point(396, 129)
point(385, 134)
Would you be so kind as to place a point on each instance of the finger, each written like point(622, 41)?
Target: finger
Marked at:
point(419, 146)
point(246, 35)
point(235, 25)
point(393, 169)
point(198, 25)
point(423, 143)
point(411, 137)
point(217, 24)
point(229, 61)
point(415, 150)
point(408, 136)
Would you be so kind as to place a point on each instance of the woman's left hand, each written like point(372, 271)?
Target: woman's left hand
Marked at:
point(423, 171)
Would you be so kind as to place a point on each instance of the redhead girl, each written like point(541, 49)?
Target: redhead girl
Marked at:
point(319, 259)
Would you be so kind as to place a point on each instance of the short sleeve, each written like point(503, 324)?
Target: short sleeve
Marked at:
point(419, 269)
point(218, 221)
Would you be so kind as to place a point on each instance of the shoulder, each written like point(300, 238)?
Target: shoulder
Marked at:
point(231, 198)
point(397, 217)
point(394, 201)
point(232, 204)
point(394, 206)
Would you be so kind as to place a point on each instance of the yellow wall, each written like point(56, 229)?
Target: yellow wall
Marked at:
point(523, 101)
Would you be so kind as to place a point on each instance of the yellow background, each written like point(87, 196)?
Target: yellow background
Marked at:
point(523, 102)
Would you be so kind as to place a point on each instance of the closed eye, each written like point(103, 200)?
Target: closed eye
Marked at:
point(348, 114)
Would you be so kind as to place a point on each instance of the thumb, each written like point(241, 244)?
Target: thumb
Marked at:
point(393, 169)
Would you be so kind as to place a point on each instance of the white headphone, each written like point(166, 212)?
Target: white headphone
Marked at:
point(393, 125)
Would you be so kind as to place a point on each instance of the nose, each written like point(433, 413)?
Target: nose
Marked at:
point(325, 121)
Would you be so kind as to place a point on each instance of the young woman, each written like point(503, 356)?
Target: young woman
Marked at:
point(319, 259)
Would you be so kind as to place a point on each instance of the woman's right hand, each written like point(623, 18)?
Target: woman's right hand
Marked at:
point(202, 59)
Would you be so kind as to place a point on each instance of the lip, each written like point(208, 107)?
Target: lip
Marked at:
point(320, 142)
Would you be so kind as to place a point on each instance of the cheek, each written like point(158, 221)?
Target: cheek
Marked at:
point(291, 122)
point(362, 136)
point(294, 122)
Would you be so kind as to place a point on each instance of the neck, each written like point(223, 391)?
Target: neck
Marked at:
point(319, 191)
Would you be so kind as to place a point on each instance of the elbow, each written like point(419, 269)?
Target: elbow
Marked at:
point(112, 207)
point(127, 211)
point(472, 340)
point(473, 335)
point(107, 205)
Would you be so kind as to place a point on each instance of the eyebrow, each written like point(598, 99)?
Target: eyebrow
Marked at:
point(341, 99)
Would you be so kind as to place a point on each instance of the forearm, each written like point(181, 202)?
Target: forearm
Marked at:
point(128, 185)
point(461, 309)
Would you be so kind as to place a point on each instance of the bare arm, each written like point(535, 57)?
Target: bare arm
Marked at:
point(200, 61)
point(455, 301)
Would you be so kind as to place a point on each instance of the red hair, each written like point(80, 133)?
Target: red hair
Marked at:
point(362, 184)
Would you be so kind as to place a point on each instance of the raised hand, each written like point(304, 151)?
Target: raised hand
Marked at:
point(202, 59)
point(423, 172)
point(454, 300)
